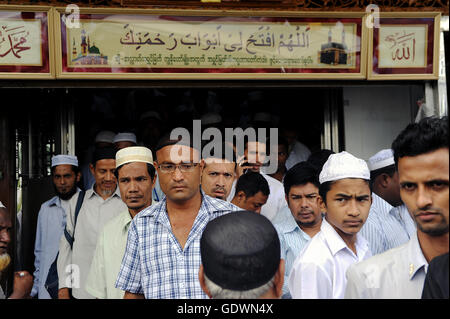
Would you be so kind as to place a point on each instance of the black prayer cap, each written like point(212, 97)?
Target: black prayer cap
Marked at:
point(104, 153)
point(240, 250)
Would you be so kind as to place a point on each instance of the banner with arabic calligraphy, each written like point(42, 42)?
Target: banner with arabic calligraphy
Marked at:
point(196, 45)
point(405, 48)
point(24, 46)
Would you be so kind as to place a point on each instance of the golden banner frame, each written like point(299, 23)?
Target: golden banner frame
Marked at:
point(70, 54)
point(27, 42)
point(404, 47)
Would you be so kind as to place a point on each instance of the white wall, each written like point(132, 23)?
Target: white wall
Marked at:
point(375, 115)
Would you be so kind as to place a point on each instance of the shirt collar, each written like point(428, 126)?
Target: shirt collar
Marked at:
point(91, 192)
point(417, 260)
point(55, 200)
point(336, 243)
point(289, 225)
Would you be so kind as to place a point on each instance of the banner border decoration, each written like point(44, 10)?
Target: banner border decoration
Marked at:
point(431, 69)
point(46, 69)
point(64, 71)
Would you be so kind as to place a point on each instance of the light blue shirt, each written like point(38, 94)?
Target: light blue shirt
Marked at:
point(292, 241)
point(50, 227)
point(387, 227)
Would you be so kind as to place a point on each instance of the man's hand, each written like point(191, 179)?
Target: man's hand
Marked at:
point(23, 282)
point(63, 293)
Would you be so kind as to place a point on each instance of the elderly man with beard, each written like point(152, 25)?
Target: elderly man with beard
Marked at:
point(52, 219)
point(101, 203)
point(22, 279)
point(422, 160)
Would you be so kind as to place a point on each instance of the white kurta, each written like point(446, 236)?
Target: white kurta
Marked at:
point(107, 259)
point(319, 271)
point(93, 216)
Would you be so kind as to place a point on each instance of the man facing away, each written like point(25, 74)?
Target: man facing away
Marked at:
point(319, 270)
point(136, 177)
point(252, 191)
point(101, 203)
point(162, 257)
point(241, 258)
point(422, 159)
point(52, 219)
point(301, 186)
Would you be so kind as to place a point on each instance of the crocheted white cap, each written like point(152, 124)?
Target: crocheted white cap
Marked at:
point(343, 165)
point(381, 159)
point(105, 136)
point(64, 160)
point(125, 137)
point(134, 154)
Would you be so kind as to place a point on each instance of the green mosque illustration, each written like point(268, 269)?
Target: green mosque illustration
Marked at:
point(88, 54)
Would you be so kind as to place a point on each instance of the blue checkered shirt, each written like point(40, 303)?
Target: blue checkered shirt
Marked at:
point(154, 263)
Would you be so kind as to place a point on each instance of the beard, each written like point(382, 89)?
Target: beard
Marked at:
point(107, 192)
point(67, 195)
point(4, 261)
point(436, 229)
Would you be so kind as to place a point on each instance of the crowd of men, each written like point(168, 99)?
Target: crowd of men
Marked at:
point(173, 222)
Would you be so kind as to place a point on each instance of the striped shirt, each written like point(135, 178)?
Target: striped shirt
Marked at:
point(292, 240)
point(154, 263)
point(387, 227)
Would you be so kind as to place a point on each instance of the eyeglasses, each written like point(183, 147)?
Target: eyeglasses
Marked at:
point(184, 167)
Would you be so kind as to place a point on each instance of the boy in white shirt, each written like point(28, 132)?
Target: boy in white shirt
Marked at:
point(319, 270)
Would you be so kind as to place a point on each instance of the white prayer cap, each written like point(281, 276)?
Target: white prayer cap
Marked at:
point(262, 117)
point(64, 160)
point(134, 154)
point(105, 137)
point(150, 114)
point(381, 159)
point(125, 137)
point(343, 165)
point(1, 205)
point(211, 118)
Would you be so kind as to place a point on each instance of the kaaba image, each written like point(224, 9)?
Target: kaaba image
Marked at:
point(332, 52)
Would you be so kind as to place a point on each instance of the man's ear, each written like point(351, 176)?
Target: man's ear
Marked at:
point(78, 177)
point(241, 196)
point(91, 167)
point(201, 278)
point(384, 180)
point(323, 206)
point(279, 280)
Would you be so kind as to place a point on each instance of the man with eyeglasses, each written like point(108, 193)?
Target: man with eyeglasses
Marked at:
point(162, 256)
